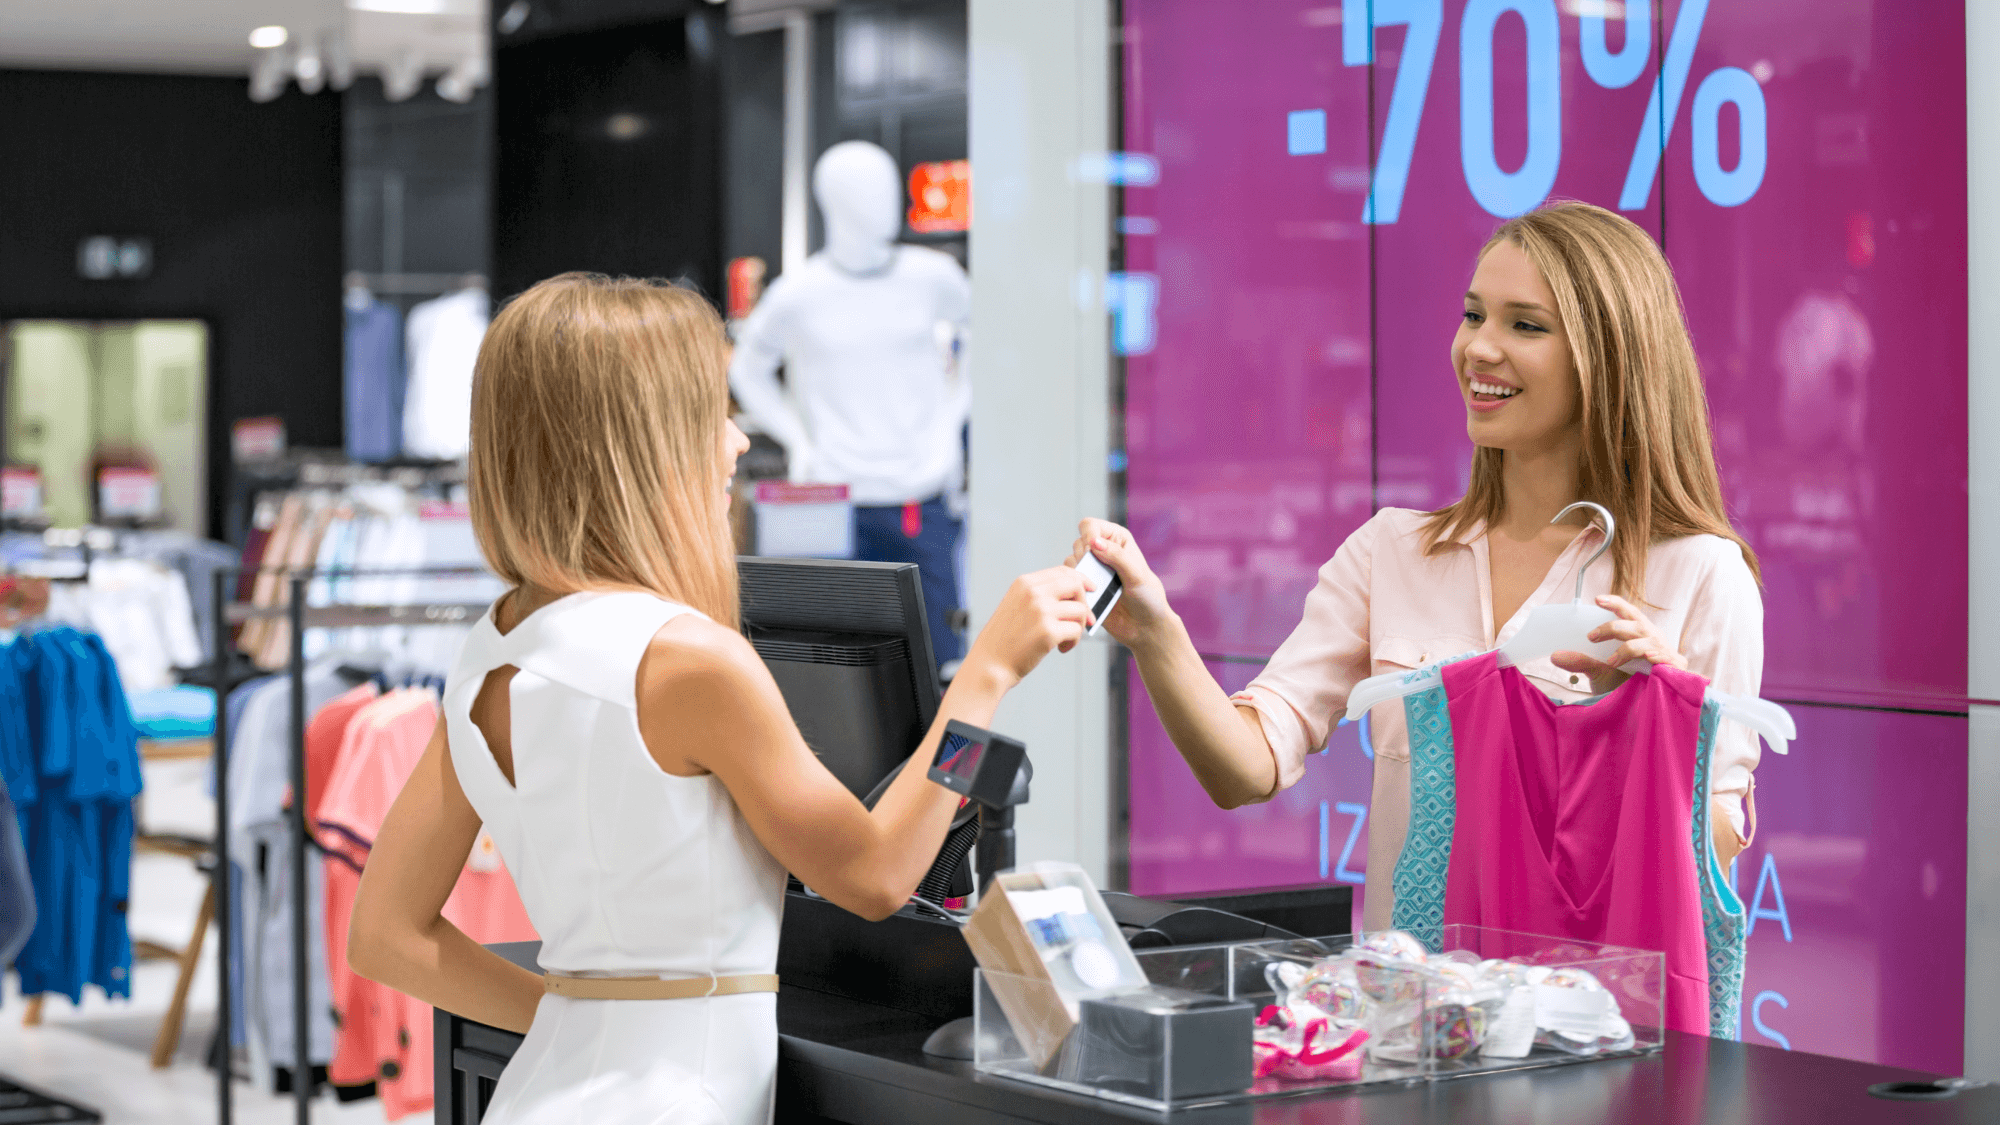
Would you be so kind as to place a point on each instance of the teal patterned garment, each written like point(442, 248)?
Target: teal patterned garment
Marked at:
point(1721, 910)
point(1419, 881)
point(1420, 871)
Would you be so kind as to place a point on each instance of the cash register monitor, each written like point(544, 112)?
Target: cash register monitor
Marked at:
point(850, 648)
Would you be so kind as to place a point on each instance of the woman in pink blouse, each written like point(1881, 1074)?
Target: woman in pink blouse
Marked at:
point(1580, 383)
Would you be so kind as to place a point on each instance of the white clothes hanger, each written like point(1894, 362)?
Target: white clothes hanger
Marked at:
point(1566, 628)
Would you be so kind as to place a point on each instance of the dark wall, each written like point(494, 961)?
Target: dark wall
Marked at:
point(755, 200)
point(610, 153)
point(419, 181)
point(243, 206)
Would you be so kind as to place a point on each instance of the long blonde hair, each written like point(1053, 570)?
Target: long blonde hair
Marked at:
point(1647, 451)
point(597, 408)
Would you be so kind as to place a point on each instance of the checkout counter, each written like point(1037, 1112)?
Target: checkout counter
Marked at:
point(860, 1000)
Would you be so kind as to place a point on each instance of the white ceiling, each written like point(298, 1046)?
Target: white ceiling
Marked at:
point(213, 36)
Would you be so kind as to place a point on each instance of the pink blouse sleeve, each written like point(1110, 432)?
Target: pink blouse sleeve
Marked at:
point(1723, 640)
point(1299, 695)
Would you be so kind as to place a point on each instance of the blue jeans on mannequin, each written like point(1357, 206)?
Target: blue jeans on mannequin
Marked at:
point(883, 534)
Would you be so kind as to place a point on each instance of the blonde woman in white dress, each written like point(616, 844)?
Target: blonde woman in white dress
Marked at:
point(624, 745)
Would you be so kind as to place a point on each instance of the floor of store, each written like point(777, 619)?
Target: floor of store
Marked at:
point(98, 1054)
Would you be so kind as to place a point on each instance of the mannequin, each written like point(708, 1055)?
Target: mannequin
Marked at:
point(871, 399)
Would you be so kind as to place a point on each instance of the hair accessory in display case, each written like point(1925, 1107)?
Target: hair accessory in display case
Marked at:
point(1256, 1019)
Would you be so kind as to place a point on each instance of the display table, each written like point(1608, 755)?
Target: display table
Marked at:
point(844, 1060)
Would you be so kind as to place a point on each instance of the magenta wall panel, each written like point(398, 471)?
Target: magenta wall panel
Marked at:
point(1425, 258)
point(1856, 883)
point(1302, 214)
point(1316, 831)
point(1829, 311)
point(1247, 423)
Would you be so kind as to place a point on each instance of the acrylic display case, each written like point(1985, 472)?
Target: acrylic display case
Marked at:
point(1233, 1022)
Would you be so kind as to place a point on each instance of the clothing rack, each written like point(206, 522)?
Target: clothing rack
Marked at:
point(302, 617)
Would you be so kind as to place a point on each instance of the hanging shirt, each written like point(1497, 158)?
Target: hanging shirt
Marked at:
point(17, 888)
point(197, 560)
point(878, 408)
point(1582, 820)
point(260, 846)
point(143, 613)
point(373, 382)
point(385, 1036)
point(77, 826)
point(444, 337)
point(1383, 605)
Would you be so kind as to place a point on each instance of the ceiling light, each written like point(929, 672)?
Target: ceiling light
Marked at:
point(403, 75)
point(265, 38)
point(402, 7)
point(464, 79)
point(268, 75)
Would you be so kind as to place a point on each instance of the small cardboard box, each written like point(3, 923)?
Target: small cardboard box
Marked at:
point(1046, 935)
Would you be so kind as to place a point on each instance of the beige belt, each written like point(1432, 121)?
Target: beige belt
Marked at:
point(653, 988)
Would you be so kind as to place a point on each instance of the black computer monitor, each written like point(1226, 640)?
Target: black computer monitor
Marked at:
point(850, 648)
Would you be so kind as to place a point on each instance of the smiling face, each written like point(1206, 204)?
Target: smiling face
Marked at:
point(1513, 358)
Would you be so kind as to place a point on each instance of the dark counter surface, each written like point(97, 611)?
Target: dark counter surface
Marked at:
point(850, 1062)
point(846, 1060)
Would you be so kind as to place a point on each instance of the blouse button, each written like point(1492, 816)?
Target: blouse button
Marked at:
point(1574, 680)
point(1423, 658)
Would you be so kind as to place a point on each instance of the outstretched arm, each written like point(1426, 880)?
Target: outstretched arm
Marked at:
point(1223, 742)
point(707, 703)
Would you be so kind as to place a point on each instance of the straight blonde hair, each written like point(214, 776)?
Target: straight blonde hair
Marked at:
point(597, 412)
point(1648, 455)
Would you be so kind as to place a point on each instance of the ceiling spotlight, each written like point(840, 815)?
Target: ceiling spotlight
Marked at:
point(516, 14)
point(339, 62)
point(403, 75)
point(309, 69)
point(401, 7)
point(268, 75)
point(626, 126)
point(265, 38)
point(464, 79)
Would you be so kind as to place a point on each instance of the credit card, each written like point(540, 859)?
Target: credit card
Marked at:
point(1106, 588)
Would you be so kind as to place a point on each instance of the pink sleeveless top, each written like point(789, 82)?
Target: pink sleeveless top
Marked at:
point(1573, 819)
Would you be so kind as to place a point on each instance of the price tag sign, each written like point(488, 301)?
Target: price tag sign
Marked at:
point(941, 196)
point(21, 492)
point(257, 439)
point(128, 494)
point(813, 521)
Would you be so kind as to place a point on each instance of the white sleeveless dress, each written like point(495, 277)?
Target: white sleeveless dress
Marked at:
point(625, 870)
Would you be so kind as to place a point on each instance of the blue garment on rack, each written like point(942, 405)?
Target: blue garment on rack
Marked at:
point(374, 382)
point(17, 888)
point(83, 761)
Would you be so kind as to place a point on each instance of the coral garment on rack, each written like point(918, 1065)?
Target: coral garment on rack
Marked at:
point(385, 1036)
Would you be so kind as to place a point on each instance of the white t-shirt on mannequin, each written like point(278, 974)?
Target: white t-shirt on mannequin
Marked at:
point(878, 406)
point(443, 344)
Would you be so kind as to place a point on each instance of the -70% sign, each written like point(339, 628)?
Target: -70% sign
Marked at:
point(1505, 193)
